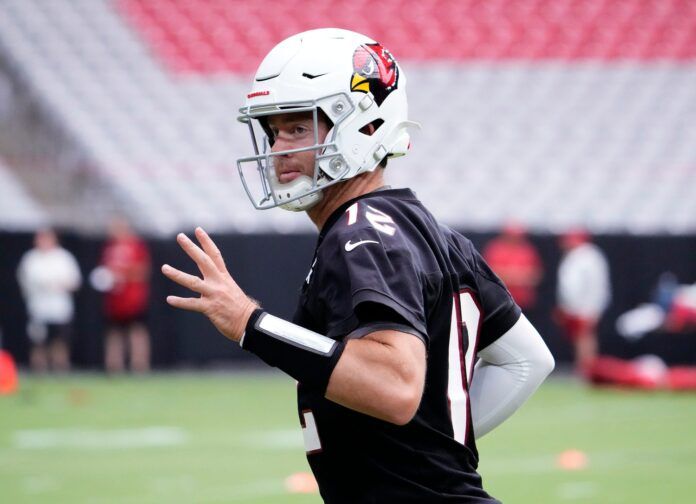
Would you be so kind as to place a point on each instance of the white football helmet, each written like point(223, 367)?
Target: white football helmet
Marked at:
point(355, 82)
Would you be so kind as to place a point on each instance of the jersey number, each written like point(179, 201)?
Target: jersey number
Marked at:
point(378, 219)
point(310, 433)
point(464, 332)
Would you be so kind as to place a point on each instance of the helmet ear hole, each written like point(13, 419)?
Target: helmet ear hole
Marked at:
point(370, 128)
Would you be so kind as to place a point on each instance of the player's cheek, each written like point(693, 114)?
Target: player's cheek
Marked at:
point(308, 159)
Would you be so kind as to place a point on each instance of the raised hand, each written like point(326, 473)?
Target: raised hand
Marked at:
point(221, 299)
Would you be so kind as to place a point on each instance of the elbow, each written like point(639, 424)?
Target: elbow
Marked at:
point(407, 412)
point(403, 406)
point(545, 364)
point(401, 416)
point(551, 364)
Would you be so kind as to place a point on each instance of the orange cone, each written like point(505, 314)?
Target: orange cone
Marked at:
point(572, 460)
point(8, 374)
point(301, 483)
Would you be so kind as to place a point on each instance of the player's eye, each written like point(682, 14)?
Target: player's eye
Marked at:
point(300, 129)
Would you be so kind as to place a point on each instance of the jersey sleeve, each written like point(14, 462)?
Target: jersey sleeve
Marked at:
point(367, 272)
point(499, 309)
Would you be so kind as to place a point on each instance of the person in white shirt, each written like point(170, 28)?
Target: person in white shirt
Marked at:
point(48, 275)
point(583, 294)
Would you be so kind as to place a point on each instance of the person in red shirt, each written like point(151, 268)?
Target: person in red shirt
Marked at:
point(126, 261)
point(515, 260)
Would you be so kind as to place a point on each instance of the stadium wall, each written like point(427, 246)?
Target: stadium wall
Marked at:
point(271, 268)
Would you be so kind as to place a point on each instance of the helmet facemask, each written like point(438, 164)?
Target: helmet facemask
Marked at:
point(304, 191)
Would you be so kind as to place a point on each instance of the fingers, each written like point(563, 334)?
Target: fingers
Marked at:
point(211, 249)
point(204, 263)
point(191, 304)
point(192, 282)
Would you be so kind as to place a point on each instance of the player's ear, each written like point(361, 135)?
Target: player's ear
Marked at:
point(370, 128)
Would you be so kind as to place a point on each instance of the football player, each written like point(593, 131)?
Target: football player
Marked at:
point(405, 345)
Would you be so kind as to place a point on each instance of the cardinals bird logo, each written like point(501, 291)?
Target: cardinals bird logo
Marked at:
point(375, 71)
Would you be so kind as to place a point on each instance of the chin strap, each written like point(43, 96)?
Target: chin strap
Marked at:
point(287, 191)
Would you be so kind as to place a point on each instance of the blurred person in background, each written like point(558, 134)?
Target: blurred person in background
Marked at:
point(516, 261)
point(583, 294)
point(405, 344)
point(678, 302)
point(48, 275)
point(672, 309)
point(124, 275)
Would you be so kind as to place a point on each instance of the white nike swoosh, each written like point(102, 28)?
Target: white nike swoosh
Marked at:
point(350, 246)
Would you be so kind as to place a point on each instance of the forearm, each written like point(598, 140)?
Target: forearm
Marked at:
point(381, 374)
point(370, 378)
point(508, 373)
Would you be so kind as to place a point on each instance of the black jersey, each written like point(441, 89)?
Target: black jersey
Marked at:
point(384, 249)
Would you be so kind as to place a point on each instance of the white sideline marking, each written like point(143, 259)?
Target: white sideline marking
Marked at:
point(577, 490)
point(38, 484)
point(38, 439)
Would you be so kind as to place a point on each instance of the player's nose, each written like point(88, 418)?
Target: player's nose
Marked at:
point(282, 143)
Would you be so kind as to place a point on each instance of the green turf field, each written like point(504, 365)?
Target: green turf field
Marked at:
point(234, 438)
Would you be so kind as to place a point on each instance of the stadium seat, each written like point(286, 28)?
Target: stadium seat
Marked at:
point(555, 112)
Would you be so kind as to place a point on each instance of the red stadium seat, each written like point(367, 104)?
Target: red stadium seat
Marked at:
point(438, 30)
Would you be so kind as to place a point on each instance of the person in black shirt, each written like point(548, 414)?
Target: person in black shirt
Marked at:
point(405, 344)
